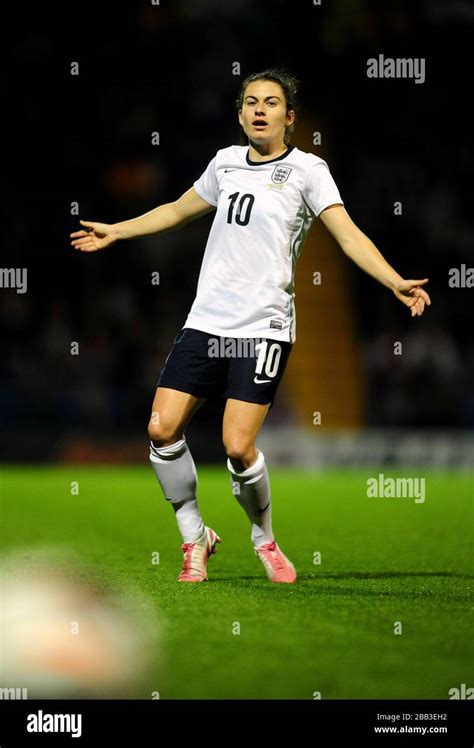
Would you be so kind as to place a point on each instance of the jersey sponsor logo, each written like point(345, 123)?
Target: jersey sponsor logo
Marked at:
point(261, 381)
point(281, 173)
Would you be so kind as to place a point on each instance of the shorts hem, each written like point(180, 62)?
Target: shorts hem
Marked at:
point(189, 390)
point(247, 399)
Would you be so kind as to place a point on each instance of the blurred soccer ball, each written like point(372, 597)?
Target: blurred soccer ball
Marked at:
point(62, 637)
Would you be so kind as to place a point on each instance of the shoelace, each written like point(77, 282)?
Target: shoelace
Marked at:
point(280, 563)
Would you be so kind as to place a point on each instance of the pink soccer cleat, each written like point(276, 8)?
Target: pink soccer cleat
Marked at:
point(196, 555)
point(278, 567)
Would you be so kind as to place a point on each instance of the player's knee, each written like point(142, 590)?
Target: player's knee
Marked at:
point(238, 450)
point(163, 435)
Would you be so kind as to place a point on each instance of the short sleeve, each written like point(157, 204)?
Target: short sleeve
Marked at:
point(206, 186)
point(319, 188)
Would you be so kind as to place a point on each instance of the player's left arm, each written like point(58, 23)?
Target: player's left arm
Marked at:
point(365, 254)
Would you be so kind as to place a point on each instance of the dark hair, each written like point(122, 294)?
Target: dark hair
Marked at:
point(288, 83)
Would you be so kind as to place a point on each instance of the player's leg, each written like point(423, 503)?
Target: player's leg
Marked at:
point(171, 458)
point(249, 475)
point(171, 412)
point(251, 484)
point(176, 472)
point(253, 378)
point(189, 376)
point(252, 383)
point(180, 393)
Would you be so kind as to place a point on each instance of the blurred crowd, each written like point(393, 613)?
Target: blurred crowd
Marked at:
point(386, 141)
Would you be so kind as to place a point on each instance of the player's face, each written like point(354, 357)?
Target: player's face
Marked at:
point(263, 115)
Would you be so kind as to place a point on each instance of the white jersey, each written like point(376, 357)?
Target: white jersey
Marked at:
point(264, 212)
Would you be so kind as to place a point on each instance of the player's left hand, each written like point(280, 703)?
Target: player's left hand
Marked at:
point(410, 294)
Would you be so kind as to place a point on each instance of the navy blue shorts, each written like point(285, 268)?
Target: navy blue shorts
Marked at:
point(207, 365)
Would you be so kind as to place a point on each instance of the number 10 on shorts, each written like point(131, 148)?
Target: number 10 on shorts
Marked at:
point(268, 357)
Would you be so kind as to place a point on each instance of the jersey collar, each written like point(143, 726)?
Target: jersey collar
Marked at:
point(262, 163)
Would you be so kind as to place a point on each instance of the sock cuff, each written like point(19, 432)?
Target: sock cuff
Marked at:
point(252, 470)
point(171, 452)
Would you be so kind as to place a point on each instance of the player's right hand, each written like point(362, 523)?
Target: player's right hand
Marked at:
point(98, 236)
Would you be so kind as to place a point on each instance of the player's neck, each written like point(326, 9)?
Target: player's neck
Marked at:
point(267, 151)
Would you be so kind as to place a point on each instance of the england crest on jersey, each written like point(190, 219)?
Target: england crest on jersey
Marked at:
point(280, 174)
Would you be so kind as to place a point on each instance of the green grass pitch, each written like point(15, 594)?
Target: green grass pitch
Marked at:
point(383, 560)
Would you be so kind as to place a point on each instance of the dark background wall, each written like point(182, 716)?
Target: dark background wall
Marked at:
point(168, 68)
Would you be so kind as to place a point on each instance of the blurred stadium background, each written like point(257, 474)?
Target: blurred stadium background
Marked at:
point(168, 69)
point(87, 139)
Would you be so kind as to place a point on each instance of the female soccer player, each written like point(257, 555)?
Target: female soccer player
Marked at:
point(241, 327)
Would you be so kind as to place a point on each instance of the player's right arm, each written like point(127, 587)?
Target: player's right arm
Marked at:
point(166, 217)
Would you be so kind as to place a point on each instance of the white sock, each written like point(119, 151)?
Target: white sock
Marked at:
point(251, 488)
point(176, 473)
